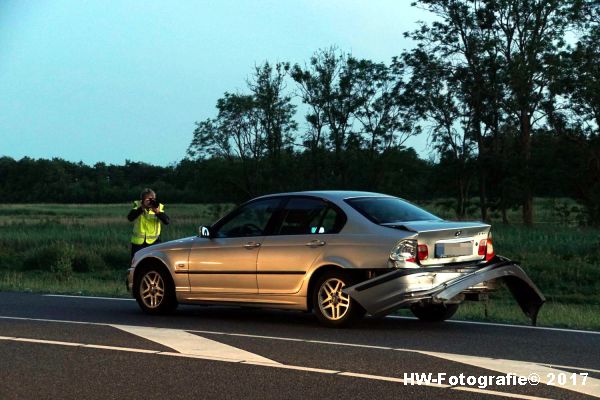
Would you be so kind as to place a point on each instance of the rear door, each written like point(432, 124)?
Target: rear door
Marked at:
point(304, 228)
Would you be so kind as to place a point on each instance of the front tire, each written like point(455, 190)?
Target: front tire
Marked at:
point(433, 312)
point(332, 307)
point(155, 291)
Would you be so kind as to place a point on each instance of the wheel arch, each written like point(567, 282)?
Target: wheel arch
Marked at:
point(147, 263)
point(320, 271)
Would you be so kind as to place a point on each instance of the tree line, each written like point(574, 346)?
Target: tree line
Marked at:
point(506, 91)
point(494, 84)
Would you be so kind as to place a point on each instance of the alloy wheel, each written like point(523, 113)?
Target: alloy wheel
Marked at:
point(332, 302)
point(152, 289)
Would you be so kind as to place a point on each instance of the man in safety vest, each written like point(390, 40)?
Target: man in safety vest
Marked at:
point(147, 216)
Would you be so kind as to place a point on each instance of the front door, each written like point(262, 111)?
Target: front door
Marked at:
point(226, 263)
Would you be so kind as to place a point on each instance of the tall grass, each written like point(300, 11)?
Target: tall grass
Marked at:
point(108, 283)
point(85, 249)
point(96, 237)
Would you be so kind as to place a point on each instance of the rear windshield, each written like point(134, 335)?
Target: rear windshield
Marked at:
point(385, 210)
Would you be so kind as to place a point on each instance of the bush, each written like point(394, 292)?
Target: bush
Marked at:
point(40, 258)
point(88, 262)
point(56, 258)
point(9, 259)
point(63, 266)
point(116, 257)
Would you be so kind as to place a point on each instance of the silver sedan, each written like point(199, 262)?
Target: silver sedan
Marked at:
point(340, 254)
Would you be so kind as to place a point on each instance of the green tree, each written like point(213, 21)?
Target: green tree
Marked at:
point(383, 114)
point(437, 98)
point(274, 112)
point(504, 51)
point(326, 86)
point(576, 87)
point(463, 40)
point(235, 134)
point(530, 33)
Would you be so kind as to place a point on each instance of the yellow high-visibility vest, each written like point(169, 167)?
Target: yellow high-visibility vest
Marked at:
point(146, 227)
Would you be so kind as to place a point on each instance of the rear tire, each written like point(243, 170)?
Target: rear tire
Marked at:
point(433, 312)
point(154, 291)
point(332, 307)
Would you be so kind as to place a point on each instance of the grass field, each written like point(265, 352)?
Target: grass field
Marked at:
point(83, 249)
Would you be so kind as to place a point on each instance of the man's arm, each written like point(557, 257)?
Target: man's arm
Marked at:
point(134, 213)
point(164, 218)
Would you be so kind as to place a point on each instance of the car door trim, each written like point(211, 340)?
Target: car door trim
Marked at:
point(242, 272)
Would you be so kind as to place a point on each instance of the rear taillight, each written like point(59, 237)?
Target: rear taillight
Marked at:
point(422, 252)
point(489, 254)
point(482, 248)
point(486, 248)
point(404, 251)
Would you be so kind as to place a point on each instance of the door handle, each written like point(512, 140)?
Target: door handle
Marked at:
point(315, 243)
point(252, 245)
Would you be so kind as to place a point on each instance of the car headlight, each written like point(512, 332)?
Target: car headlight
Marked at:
point(404, 252)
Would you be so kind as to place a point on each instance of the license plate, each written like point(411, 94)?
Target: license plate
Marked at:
point(443, 250)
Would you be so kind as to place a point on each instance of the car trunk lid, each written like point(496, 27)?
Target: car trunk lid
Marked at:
point(447, 241)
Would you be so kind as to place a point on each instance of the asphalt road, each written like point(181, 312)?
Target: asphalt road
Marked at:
point(87, 348)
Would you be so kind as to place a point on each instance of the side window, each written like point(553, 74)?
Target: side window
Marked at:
point(304, 216)
point(333, 221)
point(250, 220)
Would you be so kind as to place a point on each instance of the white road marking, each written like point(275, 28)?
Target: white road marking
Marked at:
point(452, 321)
point(462, 388)
point(44, 341)
point(364, 346)
point(521, 368)
point(172, 354)
point(294, 367)
point(386, 378)
point(269, 364)
point(496, 393)
point(570, 367)
point(188, 343)
point(131, 350)
point(251, 336)
point(540, 328)
point(482, 362)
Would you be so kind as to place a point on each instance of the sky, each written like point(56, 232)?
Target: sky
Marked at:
point(109, 81)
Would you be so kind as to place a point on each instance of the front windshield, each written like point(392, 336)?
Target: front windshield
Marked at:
point(385, 210)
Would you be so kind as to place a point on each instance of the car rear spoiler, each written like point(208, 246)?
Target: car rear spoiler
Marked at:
point(386, 293)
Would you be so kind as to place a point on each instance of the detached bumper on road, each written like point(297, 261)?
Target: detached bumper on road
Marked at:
point(401, 288)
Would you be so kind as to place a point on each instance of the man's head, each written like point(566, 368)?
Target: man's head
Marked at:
point(148, 197)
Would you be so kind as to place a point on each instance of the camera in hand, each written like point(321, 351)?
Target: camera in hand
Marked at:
point(153, 203)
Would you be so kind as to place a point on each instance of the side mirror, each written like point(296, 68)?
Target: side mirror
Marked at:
point(204, 231)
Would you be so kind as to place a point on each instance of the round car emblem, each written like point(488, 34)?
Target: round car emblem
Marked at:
point(457, 233)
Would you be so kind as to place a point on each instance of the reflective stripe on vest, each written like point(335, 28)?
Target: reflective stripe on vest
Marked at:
point(146, 227)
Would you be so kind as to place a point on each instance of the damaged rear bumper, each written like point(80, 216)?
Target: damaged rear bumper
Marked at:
point(401, 288)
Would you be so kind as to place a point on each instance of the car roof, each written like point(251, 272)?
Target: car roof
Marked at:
point(332, 195)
